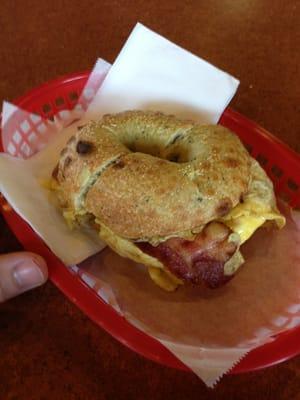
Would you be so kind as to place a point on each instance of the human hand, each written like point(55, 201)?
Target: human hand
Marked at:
point(20, 272)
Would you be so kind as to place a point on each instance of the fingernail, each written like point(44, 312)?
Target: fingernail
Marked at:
point(28, 275)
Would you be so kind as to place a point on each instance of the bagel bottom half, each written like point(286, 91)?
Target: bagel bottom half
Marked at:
point(176, 196)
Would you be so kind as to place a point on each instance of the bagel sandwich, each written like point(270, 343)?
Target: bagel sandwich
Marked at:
point(179, 197)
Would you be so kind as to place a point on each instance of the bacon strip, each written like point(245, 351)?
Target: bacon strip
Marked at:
point(200, 261)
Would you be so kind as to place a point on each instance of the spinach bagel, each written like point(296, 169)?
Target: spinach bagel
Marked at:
point(174, 195)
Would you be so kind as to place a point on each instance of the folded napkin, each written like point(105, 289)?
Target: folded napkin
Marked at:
point(152, 73)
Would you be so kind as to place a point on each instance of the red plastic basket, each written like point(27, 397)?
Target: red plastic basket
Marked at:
point(281, 163)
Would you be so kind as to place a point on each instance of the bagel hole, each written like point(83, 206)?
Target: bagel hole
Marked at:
point(146, 148)
point(174, 155)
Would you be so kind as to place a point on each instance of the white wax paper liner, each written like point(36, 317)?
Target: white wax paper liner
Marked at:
point(131, 288)
point(209, 363)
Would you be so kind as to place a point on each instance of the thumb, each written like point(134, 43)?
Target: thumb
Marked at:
point(20, 272)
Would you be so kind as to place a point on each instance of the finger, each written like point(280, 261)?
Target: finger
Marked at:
point(20, 272)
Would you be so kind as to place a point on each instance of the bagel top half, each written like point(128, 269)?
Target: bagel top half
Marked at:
point(148, 177)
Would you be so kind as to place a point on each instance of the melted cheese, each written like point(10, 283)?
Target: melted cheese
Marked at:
point(164, 279)
point(126, 248)
point(246, 218)
point(258, 207)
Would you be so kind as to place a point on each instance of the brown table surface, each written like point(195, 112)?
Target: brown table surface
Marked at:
point(49, 349)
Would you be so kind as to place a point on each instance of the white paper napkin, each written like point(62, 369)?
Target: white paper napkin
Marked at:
point(21, 183)
point(152, 73)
